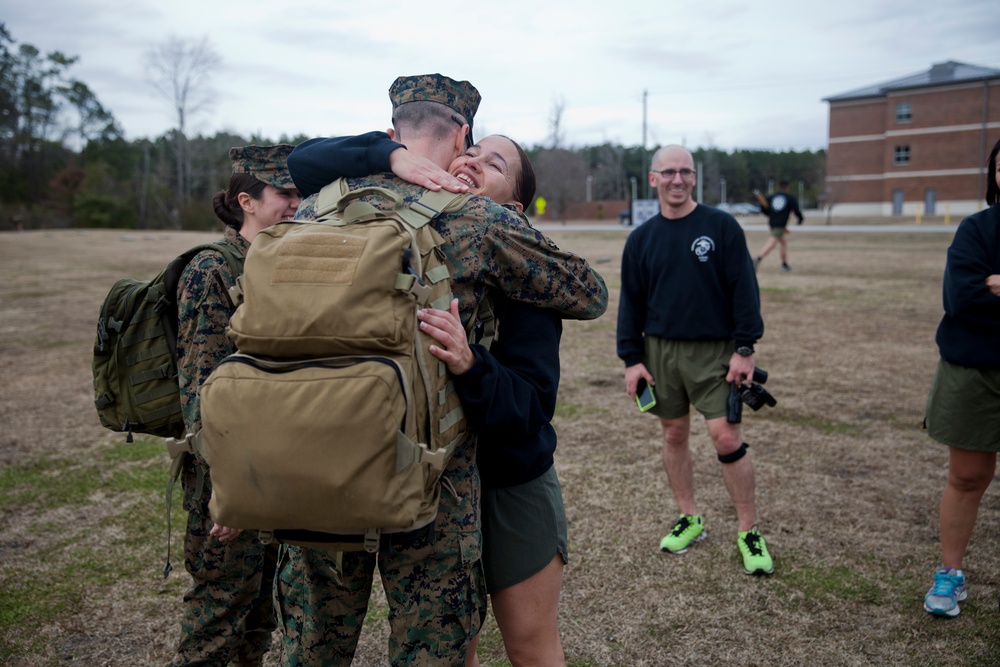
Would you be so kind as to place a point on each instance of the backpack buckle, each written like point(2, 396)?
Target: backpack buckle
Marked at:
point(436, 459)
point(411, 284)
point(176, 447)
point(371, 540)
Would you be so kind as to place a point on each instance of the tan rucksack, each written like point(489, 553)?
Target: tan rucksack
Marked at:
point(334, 421)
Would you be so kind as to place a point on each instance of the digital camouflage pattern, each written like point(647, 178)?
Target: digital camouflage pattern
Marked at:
point(486, 245)
point(228, 611)
point(433, 609)
point(435, 589)
point(461, 96)
point(229, 608)
point(265, 163)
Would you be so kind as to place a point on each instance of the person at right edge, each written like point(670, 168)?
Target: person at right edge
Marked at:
point(688, 319)
point(778, 209)
point(963, 406)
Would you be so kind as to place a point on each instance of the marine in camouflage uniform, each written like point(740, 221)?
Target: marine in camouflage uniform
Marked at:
point(435, 586)
point(229, 609)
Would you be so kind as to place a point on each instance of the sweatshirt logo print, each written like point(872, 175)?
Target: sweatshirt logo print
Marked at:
point(701, 247)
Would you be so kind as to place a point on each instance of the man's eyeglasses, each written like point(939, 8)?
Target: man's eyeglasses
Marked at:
point(686, 174)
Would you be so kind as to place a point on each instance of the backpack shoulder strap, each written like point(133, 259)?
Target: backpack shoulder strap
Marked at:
point(234, 256)
point(234, 260)
point(172, 277)
point(337, 198)
point(482, 328)
point(432, 204)
point(328, 196)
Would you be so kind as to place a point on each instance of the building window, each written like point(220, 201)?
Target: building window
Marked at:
point(904, 112)
point(901, 155)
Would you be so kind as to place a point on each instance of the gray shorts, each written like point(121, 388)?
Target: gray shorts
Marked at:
point(686, 373)
point(963, 407)
point(524, 527)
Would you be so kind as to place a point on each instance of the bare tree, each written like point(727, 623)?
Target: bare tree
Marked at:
point(562, 178)
point(608, 169)
point(181, 70)
point(555, 123)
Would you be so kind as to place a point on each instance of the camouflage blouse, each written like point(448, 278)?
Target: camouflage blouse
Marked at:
point(204, 309)
point(488, 246)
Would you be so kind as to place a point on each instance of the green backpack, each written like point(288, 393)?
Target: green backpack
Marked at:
point(135, 354)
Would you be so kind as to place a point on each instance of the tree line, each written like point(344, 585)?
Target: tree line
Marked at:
point(64, 159)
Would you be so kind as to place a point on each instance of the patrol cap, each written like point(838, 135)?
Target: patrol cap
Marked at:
point(265, 163)
point(461, 96)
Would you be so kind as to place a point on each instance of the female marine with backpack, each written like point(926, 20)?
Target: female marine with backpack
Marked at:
point(228, 610)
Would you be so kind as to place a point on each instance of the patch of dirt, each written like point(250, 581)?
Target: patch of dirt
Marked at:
point(848, 484)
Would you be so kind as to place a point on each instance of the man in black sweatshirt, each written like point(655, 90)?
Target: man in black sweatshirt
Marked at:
point(688, 318)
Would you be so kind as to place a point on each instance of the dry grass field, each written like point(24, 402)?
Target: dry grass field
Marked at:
point(848, 484)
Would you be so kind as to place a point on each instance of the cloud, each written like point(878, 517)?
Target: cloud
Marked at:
point(743, 73)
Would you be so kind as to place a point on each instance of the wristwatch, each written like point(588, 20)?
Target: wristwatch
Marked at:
point(744, 350)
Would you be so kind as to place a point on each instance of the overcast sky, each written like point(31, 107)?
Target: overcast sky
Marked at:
point(723, 73)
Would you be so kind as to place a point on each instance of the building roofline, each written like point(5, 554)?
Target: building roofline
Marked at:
point(939, 74)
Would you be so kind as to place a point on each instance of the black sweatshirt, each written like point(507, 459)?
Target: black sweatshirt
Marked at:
point(316, 163)
point(509, 395)
point(687, 279)
point(969, 333)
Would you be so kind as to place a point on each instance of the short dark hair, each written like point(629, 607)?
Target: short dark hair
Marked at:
point(226, 202)
point(992, 189)
point(524, 186)
point(432, 118)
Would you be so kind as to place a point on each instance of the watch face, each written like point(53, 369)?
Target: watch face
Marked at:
point(744, 351)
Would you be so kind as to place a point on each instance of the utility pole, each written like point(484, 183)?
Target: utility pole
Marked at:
point(645, 155)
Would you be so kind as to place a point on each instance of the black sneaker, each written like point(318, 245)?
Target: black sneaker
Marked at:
point(786, 267)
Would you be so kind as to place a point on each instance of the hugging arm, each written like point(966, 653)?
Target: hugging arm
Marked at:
point(526, 266)
point(317, 162)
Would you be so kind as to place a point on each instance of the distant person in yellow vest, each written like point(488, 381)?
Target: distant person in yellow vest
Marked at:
point(540, 207)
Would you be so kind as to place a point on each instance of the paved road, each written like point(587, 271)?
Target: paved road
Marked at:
point(795, 229)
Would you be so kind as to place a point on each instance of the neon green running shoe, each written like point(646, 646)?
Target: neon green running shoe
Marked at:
point(687, 530)
point(756, 560)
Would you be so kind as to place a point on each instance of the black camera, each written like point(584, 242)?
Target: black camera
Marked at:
point(754, 395)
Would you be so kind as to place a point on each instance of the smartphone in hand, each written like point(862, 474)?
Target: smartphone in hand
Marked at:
point(644, 396)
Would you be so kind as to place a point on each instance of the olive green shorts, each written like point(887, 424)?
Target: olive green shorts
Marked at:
point(778, 232)
point(963, 407)
point(686, 373)
point(524, 527)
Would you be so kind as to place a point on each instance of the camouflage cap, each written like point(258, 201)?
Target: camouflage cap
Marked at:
point(461, 96)
point(266, 163)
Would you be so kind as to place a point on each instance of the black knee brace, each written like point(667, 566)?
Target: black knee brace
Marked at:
point(733, 457)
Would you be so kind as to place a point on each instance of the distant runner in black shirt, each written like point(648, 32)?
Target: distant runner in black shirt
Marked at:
point(779, 208)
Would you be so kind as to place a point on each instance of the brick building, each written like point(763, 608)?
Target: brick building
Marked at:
point(915, 145)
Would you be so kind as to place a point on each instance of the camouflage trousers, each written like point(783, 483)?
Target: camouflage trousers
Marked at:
point(229, 608)
point(435, 589)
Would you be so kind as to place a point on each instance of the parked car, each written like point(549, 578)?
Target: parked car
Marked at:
point(739, 208)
